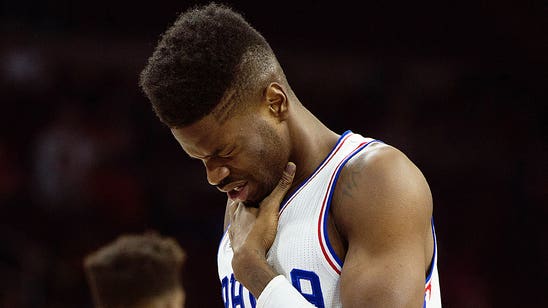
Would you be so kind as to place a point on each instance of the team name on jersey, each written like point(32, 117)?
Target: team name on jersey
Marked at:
point(306, 282)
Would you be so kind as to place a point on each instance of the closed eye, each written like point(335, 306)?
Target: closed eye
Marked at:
point(226, 154)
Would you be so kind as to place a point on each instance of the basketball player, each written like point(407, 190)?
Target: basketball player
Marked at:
point(355, 227)
point(138, 270)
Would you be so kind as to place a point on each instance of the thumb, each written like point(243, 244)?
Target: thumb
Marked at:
point(232, 206)
point(277, 195)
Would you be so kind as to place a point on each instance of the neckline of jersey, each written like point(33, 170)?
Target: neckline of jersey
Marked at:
point(288, 197)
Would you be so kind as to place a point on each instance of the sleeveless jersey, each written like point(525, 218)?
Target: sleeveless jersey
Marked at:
point(302, 251)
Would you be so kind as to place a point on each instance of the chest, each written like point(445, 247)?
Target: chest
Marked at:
point(307, 250)
point(297, 253)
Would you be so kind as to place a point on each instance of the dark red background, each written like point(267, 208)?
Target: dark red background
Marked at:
point(460, 88)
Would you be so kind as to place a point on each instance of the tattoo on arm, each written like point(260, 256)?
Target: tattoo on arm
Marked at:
point(350, 183)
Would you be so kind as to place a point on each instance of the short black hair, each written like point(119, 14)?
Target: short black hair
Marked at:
point(208, 51)
point(134, 268)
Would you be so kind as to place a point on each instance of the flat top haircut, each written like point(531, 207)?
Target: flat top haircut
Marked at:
point(210, 55)
point(134, 268)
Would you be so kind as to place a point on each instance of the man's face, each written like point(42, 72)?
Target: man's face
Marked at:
point(244, 156)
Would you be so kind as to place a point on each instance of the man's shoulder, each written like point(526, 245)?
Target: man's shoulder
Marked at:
point(382, 166)
point(374, 158)
point(379, 182)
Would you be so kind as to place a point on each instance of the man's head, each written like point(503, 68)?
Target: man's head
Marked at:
point(215, 81)
point(136, 271)
point(209, 56)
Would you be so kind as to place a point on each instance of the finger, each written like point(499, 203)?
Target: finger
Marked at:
point(279, 192)
point(285, 182)
point(229, 213)
point(242, 219)
point(242, 210)
point(239, 207)
point(232, 206)
point(234, 211)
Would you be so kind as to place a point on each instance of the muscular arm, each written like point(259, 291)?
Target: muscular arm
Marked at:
point(382, 207)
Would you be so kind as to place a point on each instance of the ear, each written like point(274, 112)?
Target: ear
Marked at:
point(276, 99)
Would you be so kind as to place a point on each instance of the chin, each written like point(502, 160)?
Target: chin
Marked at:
point(258, 196)
point(254, 202)
point(251, 204)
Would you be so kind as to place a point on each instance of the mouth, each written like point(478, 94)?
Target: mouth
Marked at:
point(239, 193)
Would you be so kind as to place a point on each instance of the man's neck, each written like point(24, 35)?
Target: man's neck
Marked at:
point(311, 143)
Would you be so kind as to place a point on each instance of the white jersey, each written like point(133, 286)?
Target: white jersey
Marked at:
point(302, 251)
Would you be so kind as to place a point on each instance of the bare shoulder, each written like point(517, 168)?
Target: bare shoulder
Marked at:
point(381, 188)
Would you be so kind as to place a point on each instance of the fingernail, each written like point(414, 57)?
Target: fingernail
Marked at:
point(290, 168)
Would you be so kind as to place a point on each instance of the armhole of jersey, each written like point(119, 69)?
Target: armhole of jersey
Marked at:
point(434, 255)
point(327, 249)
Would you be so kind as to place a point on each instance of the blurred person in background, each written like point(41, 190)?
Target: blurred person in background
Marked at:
point(65, 154)
point(137, 270)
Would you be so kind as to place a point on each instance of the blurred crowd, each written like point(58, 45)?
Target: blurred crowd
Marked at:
point(83, 158)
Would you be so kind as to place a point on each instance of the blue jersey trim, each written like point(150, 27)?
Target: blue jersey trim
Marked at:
point(434, 255)
point(316, 170)
point(328, 206)
point(303, 182)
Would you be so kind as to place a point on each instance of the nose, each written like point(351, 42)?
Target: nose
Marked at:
point(216, 173)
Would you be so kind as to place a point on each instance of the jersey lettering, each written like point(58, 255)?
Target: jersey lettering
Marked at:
point(237, 300)
point(224, 291)
point(313, 291)
point(252, 300)
point(306, 282)
point(236, 296)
